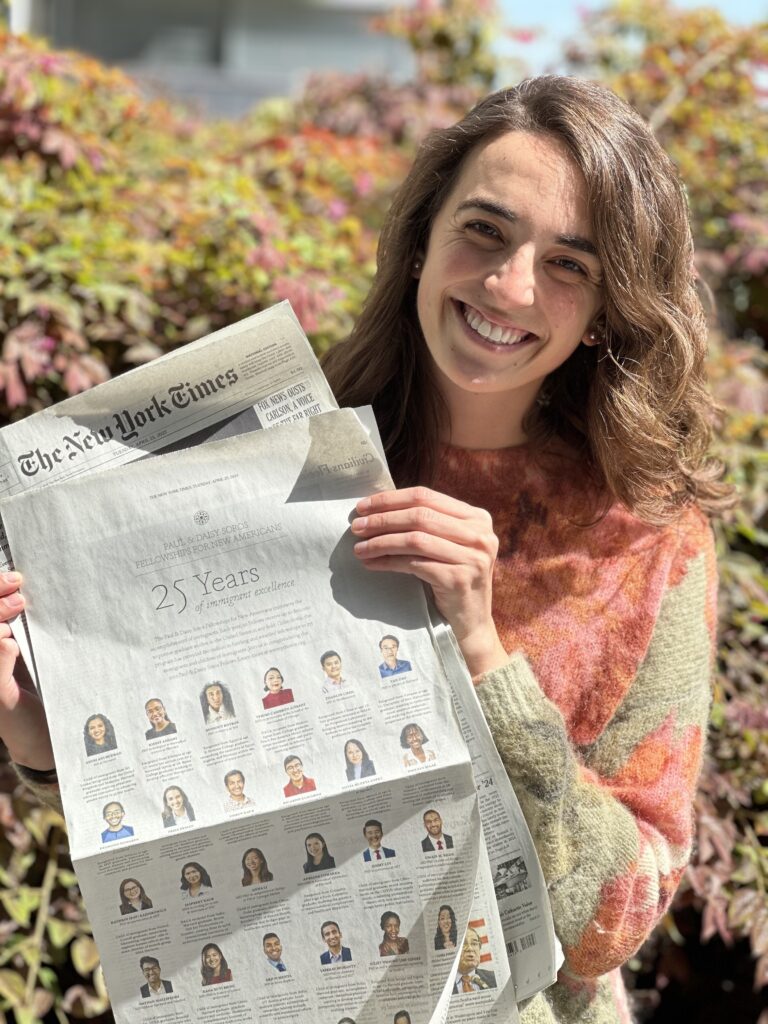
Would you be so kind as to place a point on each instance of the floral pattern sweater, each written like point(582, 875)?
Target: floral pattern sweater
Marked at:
point(600, 715)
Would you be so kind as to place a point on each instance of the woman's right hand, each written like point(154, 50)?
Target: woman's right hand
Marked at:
point(23, 727)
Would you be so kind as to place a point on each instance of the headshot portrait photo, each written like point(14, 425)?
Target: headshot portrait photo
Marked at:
point(277, 693)
point(216, 703)
point(98, 735)
point(273, 951)
point(446, 934)
point(392, 943)
point(132, 897)
point(195, 880)
point(470, 977)
point(413, 739)
point(155, 984)
point(402, 1017)
point(357, 763)
point(176, 809)
point(113, 814)
point(214, 968)
point(234, 783)
point(160, 724)
point(334, 680)
point(391, 665)
point(318, 857)
point(337, 953)
point(298, 782)
point(255, 867)
point(373, 832)
point(435, 840)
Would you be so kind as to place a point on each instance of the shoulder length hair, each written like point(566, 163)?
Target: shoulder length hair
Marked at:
point(207, 972)
point(110, 740)
point(452, 934)
point(168, 811)
point(635, 407)
point(264, 875)
point(125, 903)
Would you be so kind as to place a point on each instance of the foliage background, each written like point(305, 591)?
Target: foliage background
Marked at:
point(129, 226)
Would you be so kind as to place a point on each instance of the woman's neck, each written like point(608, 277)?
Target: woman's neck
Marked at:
point(479, 420)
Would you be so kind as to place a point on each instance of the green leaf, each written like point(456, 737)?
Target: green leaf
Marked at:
point(60, 932)
point(12, 987)
point(20, 906)
point(84, 955)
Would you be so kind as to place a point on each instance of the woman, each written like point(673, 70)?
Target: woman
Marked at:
point(392, 943)
point(318, 858)
point(177, 810)
point(99, 735)
point(273, 686)
point(213, 965)
point(358, 763)
point(446, 933)
point(132, 897)
point(255, 868)
point(194, 879)
point(412, 739)
point(533, 346)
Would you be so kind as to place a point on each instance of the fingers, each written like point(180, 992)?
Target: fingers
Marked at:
point(422, 520)
point(11, 601)
point(420, 497)
point(421, 546)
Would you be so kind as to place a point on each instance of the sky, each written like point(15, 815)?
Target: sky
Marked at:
point(562, 23)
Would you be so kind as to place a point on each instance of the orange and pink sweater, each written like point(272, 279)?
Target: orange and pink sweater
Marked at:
point(600, 715)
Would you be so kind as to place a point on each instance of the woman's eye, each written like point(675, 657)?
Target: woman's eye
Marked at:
point(570, 265)
point(483, 229)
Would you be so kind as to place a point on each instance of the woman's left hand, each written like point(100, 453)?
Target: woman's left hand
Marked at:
point(449, 545)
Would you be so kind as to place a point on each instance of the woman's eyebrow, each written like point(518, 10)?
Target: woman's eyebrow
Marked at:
point(577, 242)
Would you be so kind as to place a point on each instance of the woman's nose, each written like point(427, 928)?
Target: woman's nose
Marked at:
point(513, 283)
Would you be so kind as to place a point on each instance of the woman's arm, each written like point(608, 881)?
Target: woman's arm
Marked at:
point(612, 822)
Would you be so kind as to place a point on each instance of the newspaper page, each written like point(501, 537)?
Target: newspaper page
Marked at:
point(257, 373)
point(266, 820)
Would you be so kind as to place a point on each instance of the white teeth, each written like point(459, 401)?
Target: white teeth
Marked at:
point(493, 332)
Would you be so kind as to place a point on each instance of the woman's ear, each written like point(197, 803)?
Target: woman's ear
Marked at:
point(417, 265)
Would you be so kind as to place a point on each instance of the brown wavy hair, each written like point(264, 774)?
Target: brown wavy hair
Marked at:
point(635, 407)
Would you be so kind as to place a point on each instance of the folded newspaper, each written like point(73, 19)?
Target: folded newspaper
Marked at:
point(277, 768)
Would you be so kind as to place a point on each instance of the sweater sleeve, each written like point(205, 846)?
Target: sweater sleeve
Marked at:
point(612, 822)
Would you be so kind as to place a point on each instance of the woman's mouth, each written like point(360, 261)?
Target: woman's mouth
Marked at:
point(492, 335)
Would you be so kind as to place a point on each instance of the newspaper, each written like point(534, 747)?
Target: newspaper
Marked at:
point(257, 373)
point(527, 933)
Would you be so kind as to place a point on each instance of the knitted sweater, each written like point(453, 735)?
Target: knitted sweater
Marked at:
point(600, 715)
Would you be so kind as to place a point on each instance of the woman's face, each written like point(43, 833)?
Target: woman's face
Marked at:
point(175, 801)
point(212, 959)
point(131, 891)
point(97, 730)
point(253, 862)
point(414, 737)
point(273, 681)
point(510, 281)
point(444, 922)
point(354, 753)
point(192, 875)
point(392, 928)
point(315, 848)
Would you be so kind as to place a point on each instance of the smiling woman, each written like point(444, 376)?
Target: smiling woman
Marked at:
point(533, 347)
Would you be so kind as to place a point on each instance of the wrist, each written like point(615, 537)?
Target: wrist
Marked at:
point(483, 651)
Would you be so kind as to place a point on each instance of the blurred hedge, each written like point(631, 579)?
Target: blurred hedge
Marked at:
point(128, 227)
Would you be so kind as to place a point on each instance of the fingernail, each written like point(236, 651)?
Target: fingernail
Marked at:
point(360, 523)
point(14, 600)
point(361, 547)
point(363, 505)
point(11, 577)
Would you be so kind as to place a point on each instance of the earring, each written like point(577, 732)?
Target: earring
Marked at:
point(417, 264)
